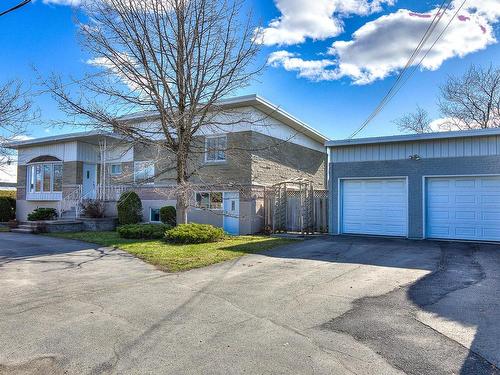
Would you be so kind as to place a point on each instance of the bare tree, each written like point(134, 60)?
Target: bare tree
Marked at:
point(172, 59)
point(473, 100)
point(15, 112)
point(415, 122)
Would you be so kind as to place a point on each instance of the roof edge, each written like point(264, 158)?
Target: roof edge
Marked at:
point(414, 137)
point(252, 100)
point(60, 137)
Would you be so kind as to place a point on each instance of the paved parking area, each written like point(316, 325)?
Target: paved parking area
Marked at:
point(338, 305)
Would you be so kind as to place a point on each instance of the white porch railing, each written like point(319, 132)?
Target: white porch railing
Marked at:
point(110, 192)
point(71, 200)
point(74, 199)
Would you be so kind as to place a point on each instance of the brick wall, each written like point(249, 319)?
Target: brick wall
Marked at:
point(73, 173)
point(275, 161)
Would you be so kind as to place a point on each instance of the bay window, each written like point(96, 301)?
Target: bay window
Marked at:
point(44, 178)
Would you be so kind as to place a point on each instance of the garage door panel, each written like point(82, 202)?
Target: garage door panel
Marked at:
point(465, 183)
point(490, 183)
point(491, 232)
point(439, 199)
point(374, 206)
point(463, 208)
point(464, 199)
point(465, 215)
point(439, 184)
point(461, 232)
point(491, 215)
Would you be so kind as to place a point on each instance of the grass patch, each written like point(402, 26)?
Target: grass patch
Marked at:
point(177, 257)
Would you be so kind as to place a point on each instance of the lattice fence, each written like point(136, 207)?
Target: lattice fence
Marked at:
point(296, 207)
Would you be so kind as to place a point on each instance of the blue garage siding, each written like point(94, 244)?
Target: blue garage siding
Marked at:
point(415, 171)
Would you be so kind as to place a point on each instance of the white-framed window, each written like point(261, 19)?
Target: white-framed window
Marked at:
point(144, 172)
point(209, 200)
point(154, 215)
point(116, 169)
point(45, 178)
point(215, 148)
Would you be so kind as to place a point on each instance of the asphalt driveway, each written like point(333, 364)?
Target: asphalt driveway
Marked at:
point(341, 305)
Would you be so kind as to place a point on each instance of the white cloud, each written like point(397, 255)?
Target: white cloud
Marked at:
point(440, 124)
point(489, 9)
point(382, 47)
point(63, 2)
point(8, 172)
point(318, 19)
point(315, 70)
point(21, 137)
point(124, 62)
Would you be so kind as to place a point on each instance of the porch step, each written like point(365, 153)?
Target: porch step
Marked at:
point(22, 230)
point(69, 214)
point(26, 226)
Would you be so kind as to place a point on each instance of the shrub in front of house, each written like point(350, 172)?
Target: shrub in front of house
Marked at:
point(194, 233)
point(93, 208)
point(8, 193)
point(143, 231)
point(168, 215)
point(7, 208)
point(129, 208)
point(42, 213)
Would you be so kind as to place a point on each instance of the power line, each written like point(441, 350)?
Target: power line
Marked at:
point(430, 29)
point(21, 4)
point(430, 48)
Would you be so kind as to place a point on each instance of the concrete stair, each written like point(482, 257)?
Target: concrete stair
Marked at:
point(24, 228)
point(68, 215)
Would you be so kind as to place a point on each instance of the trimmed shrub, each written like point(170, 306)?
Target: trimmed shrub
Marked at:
point(143, 231)
point(194, 233)
point(43, 213)
point(93, 208)
point(8, 193)
point(7, 208)
point(168, 215)
point(129, 208)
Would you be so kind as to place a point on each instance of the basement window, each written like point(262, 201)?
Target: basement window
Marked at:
point(154, 215)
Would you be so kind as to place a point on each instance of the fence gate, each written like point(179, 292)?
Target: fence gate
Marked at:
point(295, 206)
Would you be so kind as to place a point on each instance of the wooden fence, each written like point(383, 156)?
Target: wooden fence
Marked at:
point(292, 209)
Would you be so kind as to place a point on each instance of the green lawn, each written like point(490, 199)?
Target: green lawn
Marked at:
point(174, 258)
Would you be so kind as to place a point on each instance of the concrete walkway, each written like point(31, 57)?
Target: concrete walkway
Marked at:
point(326, 306)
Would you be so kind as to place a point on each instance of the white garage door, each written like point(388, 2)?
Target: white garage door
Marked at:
point(466, 208)
point(374, 206)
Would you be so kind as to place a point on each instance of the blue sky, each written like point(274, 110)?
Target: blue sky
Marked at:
point(322, 72)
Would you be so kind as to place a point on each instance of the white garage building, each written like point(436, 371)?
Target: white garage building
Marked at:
point(436, 185)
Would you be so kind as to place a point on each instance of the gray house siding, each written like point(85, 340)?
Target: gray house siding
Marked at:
point(432, 148)
point(415, 171)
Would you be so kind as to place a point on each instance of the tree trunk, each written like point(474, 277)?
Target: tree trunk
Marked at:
point(182, 207)
point(182, 193)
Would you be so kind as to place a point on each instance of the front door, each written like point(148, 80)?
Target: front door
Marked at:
point(89, 181)
point(232, 213)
